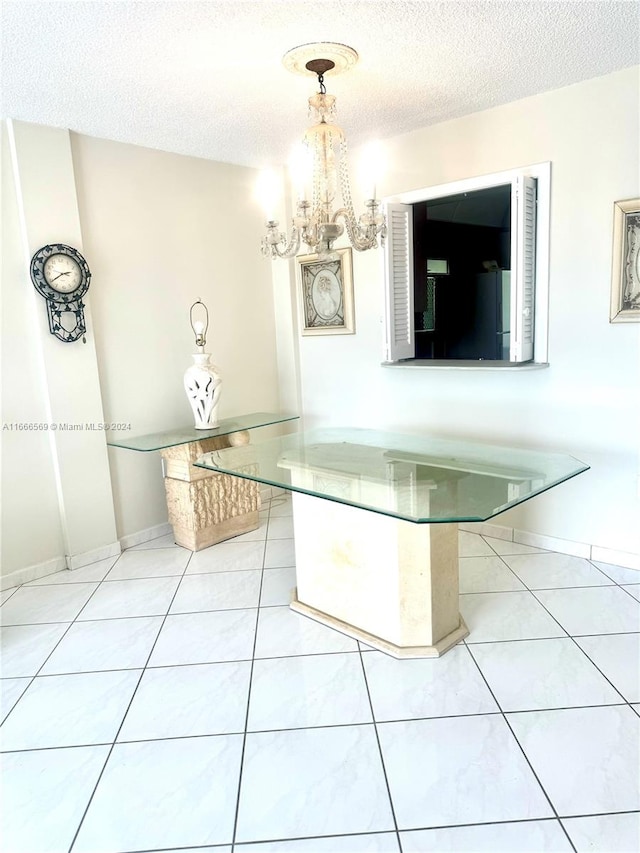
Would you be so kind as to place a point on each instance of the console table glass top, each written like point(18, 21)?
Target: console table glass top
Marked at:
point(187, 434)
point(410, 477)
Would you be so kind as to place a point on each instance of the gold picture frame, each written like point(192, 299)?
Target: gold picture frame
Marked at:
point(326, 294)
point(625, 273)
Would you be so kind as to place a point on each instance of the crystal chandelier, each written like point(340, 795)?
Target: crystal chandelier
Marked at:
point(322, 167)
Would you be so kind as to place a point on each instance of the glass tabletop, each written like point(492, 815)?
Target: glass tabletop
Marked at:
point(415, 478)
point(187, 434)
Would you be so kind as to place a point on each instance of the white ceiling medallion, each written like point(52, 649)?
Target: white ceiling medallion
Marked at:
point(342, 56)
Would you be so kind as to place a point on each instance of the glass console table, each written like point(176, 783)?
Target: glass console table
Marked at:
point(205, 507)
point(376, 523)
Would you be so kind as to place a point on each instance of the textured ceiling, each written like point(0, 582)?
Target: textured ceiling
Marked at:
point(206, 78)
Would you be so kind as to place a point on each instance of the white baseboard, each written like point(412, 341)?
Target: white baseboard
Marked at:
point(626, 559)
point(58, 564)
point(486, 529)
point(89, 557)
point(145, 535)
point(617, 558)
point(32, 573)
point(551, 543)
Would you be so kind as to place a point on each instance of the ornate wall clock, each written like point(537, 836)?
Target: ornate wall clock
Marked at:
point(62, 276)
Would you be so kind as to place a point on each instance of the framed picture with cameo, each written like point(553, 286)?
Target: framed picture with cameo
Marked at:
point(625, 276)
point(326, 294)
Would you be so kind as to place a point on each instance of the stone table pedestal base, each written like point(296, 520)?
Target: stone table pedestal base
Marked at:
point(205, 507)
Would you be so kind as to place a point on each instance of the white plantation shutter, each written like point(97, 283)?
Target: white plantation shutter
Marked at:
point(523, 265)
point(400, 341)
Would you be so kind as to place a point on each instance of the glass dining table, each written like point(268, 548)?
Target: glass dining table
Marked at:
point(376, 518)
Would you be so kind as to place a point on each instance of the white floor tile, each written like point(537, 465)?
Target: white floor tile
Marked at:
point(531, 836)
point(169, 793)
point(93, 573)
point(23, 649)
point(152, 563)
point(142, 597)
point(282, 632)
point(297, 692)
point(42, 604)
point(537, 674)
point(45, 793)
point(11, 689)
point(217, 591)
point(311, 741)
point(70, 710)
point(619, 574)
point(277, 585)
point(376, 842)
point(280, 553)
point(592, 610)
point(458, 770)
point(435, 687)
point(110, 644)
point(331, 781)
point(503, 546)
point(551, 570)
point(633, 590)
point(281, 527)
point(586, 758)
point(486, 574)
point(473, 545)
point(205, 638)
point(227, 557)
point(618, 657)
point(612, 833)
point(182, 701)
point(495, 616)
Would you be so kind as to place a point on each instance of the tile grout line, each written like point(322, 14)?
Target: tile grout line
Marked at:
point(69, 626)
point(572, 637)
point(521, 748)
point(308, 728)
point(574, 641)
point(384, 769)
point(246, 719)
point(133, 695)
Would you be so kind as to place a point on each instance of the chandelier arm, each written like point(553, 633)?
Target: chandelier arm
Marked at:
point(361, 238)
point(276, 245)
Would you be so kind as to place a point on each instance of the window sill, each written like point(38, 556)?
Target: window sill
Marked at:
point(463, 364)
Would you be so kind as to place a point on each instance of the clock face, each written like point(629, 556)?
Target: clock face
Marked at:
point(62, 273)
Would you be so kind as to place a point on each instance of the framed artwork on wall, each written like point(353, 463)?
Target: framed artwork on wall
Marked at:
point(625, 281)
point(326, 294)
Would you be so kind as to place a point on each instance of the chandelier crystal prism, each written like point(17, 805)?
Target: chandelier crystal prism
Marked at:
point(322, 162)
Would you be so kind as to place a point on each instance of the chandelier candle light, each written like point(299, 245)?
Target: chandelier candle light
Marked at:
point(316, 222)
point(202, 381)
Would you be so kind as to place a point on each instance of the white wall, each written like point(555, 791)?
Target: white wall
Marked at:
point(158, 231)
point(31, 525)
point(161, 230)
point(587, 402)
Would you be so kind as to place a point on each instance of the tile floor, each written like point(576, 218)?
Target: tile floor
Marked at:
point(171, 701)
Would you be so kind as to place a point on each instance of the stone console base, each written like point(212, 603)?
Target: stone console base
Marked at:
point(205, 507)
